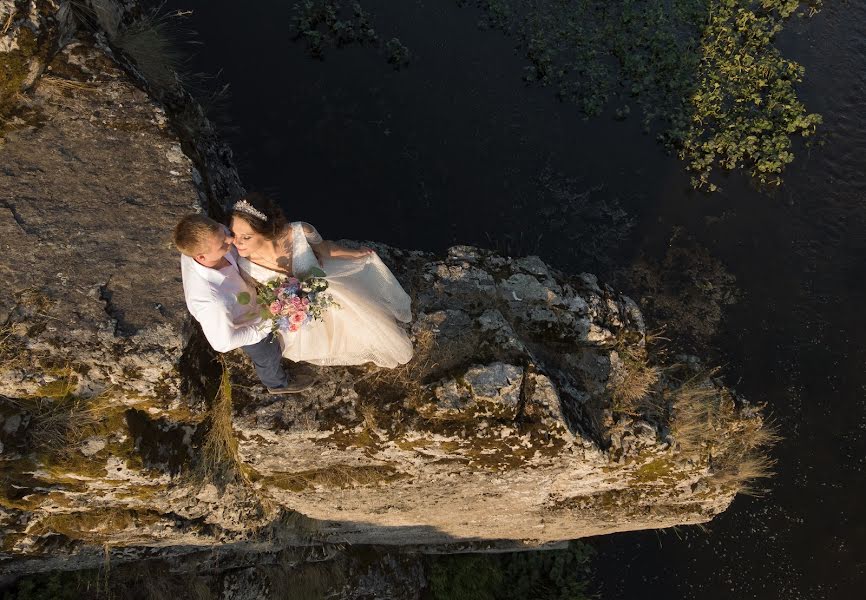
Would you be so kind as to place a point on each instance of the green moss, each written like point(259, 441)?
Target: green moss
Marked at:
point(32, 499)
point(14, 68)
point(21, 490)
point(132, 372)
point(413, 445)
point(653, 471)
point(165, 386)
point(498, 454)
point(62, 68)
point(347, 438)
point(335, 476)
point(142, 493)
point(60, 388)
point(10, 540)
point(94, 525)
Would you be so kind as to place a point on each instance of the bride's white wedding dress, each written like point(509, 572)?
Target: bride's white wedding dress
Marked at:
point(363, 329)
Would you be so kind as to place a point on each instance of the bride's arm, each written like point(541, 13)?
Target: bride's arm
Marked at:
point(329, 249)
point(335, 250)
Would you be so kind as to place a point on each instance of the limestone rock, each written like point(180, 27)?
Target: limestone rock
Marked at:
point(89, 281)
point(500, 434)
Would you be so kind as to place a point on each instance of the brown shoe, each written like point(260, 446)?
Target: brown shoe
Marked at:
point(297, 385)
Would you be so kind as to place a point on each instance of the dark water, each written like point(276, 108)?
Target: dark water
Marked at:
point(456, 149)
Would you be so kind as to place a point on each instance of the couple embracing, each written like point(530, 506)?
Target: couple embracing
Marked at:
point(223, 268)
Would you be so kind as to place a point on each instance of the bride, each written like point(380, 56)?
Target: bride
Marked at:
point(364, 328)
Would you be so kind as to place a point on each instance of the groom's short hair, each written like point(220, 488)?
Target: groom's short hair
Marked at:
point(193, 232)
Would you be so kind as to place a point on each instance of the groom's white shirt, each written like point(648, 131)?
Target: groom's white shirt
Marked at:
point(211, 297)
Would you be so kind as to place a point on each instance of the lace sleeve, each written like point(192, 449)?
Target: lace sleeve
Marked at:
point(311, 234)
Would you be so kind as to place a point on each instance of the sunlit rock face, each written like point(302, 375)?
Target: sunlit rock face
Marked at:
point(493, 431)
point(91, 191)
point(501, 433)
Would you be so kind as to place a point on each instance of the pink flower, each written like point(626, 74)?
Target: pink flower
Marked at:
point(294, 327)
point(297, 302)
point(305, 302)
point(298, 318)
point(274, 308)
point(287, 309)
point(293, 281)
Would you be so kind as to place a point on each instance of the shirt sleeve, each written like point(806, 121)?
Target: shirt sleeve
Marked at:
point(224, 335)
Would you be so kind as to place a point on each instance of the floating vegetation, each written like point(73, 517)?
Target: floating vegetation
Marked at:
point(688, 289)
point(328, 24)
point(398, 54)
point(596, 224)
point(705, 72)
point(745, 108)
point(584, 228)
point(324, 23)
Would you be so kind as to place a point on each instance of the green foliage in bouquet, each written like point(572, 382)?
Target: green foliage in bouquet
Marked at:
point(289, 302)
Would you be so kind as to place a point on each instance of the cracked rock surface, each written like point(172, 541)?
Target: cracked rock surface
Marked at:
point(490, 433)
point(88, 199)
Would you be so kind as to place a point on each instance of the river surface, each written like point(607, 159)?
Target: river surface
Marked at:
point(455, 148)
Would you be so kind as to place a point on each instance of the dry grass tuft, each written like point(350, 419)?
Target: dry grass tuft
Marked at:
point(404, 379)
point(221, 462)
point(60, 420)
point(695, 411)
point(633, 382)
point(408, 375)
point(14, 356)
point(741, 473)
point(706, 422)
point(745, 459)
point(149, 43)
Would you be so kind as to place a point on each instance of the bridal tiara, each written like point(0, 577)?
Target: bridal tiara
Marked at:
point(245, 207)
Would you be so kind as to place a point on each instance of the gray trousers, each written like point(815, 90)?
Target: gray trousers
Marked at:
point(266, 356)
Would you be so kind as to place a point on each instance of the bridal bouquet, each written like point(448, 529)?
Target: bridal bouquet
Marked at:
point(290, 302)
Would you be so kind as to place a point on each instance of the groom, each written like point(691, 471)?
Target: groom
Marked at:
point(211, 283)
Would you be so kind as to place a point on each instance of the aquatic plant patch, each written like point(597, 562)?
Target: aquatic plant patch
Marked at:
point(744, 109)
point(706, 73)
point(330, 24)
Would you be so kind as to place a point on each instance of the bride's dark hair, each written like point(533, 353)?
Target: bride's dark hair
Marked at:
point(273, 226)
